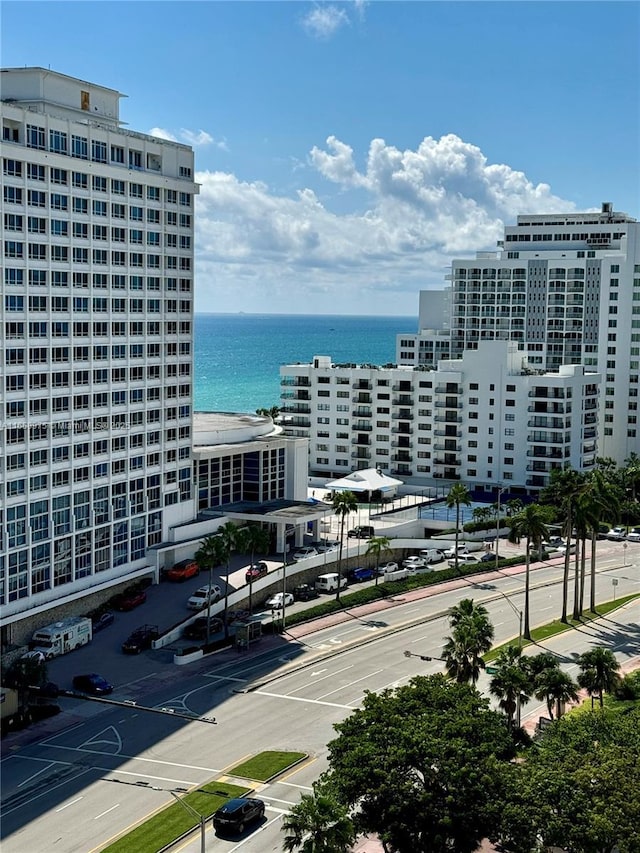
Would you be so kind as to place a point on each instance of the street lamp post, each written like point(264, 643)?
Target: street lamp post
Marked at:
point(284, 584)
point(409, 654)
point(500, 491)
point(201, 818)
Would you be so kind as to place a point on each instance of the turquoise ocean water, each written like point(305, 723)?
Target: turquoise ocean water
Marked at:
point(238, 356)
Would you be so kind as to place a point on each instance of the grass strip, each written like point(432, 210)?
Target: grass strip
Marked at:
point(544, 632)
point(266, 764)
point(174, 820)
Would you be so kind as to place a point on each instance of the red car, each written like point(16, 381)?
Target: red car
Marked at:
point(257, 570)
point(183, 570)
point(129, 600)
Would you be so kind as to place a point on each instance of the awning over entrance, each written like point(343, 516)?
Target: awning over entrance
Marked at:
point(367, 480)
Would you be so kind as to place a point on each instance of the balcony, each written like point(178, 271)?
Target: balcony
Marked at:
point(446, 446)
point(298, 422)
point(448, 419)
point(537, 481)
point(402, 400)
point(296, 408)
point(545, 454)
point(447, 388)
point(402, 430)
point(402, 472)
point(455, 433)
point(296, 381)
point(447, 459)
point(362, 398)
point(402, 442)
point(361, 454)
point(362, 427)
point(361, 413)
point(405, 387)
point(549, 408)
point(547, 393)
point(362, 385)
point(402, 416)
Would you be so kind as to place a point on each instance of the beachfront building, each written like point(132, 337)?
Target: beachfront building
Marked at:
point(431, 343)
point(488, 418)
point(97, 331)
point(566, 287)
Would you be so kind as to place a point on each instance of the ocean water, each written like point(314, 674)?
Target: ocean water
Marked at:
point(238, 356)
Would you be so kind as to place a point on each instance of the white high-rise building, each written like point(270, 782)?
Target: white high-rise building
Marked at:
point(487, 418)
point(567, 288)
point(97, 332)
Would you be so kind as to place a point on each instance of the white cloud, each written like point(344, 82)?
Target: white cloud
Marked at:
point(195, 138)
point(422, 208)
point(324, 21)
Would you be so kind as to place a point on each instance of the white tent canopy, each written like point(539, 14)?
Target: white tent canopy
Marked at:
point(367, 480)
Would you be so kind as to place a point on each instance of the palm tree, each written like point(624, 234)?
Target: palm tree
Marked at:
point(343, 504)
point(556, 687)
point(377, 546)
point(228, 533)
point(530, 523)
point(511, 684)
point(564, 489)
point(471, 637)
point(599, 672)
point(458, 494)
point(318, 824)
point(256, 539)
point(209, 555)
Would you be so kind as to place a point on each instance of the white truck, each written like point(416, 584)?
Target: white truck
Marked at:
point(329, 582)
point(62, 637)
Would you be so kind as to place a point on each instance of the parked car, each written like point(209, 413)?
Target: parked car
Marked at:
point(464, 560)
point(431, 555)
point(634, 535)
point(303, 553)
point(33, 655)
point(197, 630)
point(617, 534)
point(280, 599)
point(451, 552)
point(488, 557)
point(364, 531)
point(391, 566)
point(255, 571)
point(304, 592)
point(203, 596)
point(128, 600)
point(361, 574)
point(235, 815)
point(140, 639)
point(92, 683)
point(325, 546)
point(553, 542)
point(102, 620)
point(563, 548)
point(413, 563)
point(183, 570)
point(331, 582)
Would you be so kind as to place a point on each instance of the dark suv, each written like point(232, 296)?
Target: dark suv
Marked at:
point(237, 814)
point(140, 639)
point(304, 592)
point(257, 570)
point(197, 630)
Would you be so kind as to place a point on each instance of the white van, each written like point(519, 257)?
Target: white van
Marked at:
point(329, 583)
point(431, 555)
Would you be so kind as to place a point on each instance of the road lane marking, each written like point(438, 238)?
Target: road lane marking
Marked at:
point(66, 805)
point(136, 758)
point(38, 772)
point(345, 686)
point(318, 680)
point(301, 699)
point(102, 814)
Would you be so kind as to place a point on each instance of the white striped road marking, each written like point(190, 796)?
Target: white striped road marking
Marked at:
point(66, 805)
point(37, 773)
point(330, 675)
point(345, 686)
point(301, 699)
point(102, 814)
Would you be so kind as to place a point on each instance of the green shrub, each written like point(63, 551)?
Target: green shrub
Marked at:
point(629, 686)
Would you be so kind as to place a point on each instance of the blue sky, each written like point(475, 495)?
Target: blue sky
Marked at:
point(347, 151)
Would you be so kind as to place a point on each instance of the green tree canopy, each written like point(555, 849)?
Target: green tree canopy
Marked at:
point(422, 765)
point(344, 503)
point(471, 636)
point(318, 824)
point(458, 495)
point(598, 672)
point(579, 789)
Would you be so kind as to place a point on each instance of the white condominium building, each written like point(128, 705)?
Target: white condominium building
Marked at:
point(487, 418)
point(97, 308)
point(566, 287)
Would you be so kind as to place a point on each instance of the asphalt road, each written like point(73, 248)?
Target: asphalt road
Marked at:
point(110, 767)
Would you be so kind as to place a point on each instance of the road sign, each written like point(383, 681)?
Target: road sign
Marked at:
point(491, 670)
point(614, 581)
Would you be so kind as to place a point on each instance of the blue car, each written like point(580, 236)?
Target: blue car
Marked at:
point(92, 683)
point(361, 574)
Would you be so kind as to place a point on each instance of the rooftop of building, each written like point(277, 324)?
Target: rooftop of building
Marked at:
point(213, 429)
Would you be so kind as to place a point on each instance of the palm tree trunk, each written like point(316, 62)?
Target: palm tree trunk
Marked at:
point(340, 557)
point(576, 581)
point(457, 533)
point(565, 574)
point(592, 590)
point(251, 596)
point(209, 603)
point(527, 578)
point(226, 603)
point(583, 572)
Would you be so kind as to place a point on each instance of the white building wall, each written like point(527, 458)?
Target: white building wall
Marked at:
point(96, 314)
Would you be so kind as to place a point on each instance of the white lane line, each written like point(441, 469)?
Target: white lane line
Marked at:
point(37, 773)
point(66, 732)
point(300, 699)
point(66, 805)
point(136, 758)
point(102, 814)
point(318, 680)
point(224, 678)
point(276, 800)
point(345, 686)
point(293, 785)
